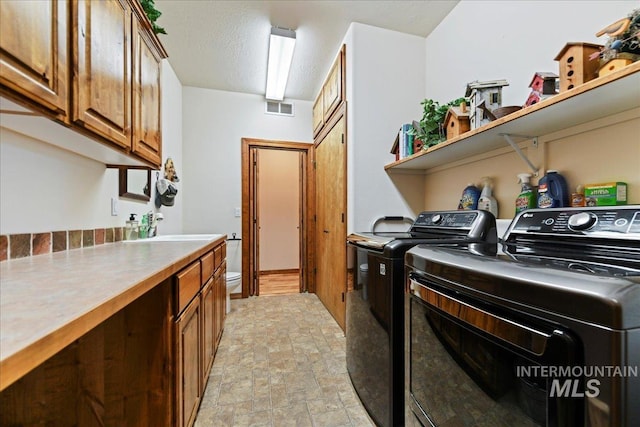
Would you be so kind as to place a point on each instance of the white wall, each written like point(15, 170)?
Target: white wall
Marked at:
point(214, 122)
point(44, 188)
point(512, 49)
point(172, 147)
point(385, 84)
point(510, 40)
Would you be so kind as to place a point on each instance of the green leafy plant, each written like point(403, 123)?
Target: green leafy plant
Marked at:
point(153, 14)
point(430, 130)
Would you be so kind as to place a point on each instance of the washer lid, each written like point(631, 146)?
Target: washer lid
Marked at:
point(230, 275)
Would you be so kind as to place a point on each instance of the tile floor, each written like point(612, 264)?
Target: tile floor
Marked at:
point(281, 362)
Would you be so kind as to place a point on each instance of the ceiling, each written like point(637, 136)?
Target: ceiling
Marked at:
point(224, 44)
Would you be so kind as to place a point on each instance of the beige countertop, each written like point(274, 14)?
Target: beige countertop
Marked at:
point(49, 301)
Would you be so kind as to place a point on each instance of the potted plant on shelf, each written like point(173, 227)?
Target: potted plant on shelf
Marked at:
point(153, 14)
point(430, 128)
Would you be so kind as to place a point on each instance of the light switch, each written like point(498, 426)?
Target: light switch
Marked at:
point(114, 206)
point(237, 212)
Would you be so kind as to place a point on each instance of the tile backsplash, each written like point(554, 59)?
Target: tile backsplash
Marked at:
point(23, 245)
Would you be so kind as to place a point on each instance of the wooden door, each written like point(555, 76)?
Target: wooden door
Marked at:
point(34, 42)
point(102, 69)
point(254, 260)
point(147, 130)
point(220, 283)
point(331, 226)
point(208, 301)
point(188, 364)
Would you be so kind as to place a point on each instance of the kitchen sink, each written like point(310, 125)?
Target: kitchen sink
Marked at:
point(177, 238)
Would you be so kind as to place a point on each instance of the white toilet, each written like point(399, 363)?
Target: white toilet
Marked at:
point(234, 282)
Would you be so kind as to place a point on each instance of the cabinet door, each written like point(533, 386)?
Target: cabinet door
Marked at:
point(147, 131)
point(188, 369)
point(208, 328)
point(317, 114)
point(102, 69)
point(34, 42)
point(216, 309)
point(332, 89)
point(223, 297)
point(331, 230)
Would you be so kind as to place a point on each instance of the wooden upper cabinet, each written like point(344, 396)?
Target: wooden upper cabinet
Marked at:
point(147, 112)
point(102, 69)
point(33, 53)
point(331, 95)
point(317, 115)
point(94, 65)
point(332, 89)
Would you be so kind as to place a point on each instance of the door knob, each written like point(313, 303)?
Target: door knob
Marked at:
point(325, 231)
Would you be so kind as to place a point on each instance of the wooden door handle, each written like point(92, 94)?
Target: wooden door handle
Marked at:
point(325, 231)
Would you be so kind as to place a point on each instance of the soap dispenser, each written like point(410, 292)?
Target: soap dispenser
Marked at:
point(131, 228)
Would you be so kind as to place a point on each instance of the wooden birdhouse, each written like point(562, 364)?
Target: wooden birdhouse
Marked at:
point(613, 65)
point(544, 83)
point(456, 121)
point(543, 86)
point(575, 66)
point(490, 92)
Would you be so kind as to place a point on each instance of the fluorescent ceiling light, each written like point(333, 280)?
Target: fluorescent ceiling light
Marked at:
point(281, 44)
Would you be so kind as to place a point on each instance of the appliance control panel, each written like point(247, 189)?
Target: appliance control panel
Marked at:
point(447, 219)
point(611, 221)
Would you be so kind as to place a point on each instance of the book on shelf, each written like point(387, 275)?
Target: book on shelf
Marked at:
point(403, 144)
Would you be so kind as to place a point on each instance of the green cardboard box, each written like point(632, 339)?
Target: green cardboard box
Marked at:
point(606, 194)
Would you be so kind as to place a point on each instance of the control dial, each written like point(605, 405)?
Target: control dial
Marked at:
point(582, 221)
point(436, 219)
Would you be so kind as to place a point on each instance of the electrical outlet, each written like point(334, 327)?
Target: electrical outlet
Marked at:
point(114, 206)
point(237, 212)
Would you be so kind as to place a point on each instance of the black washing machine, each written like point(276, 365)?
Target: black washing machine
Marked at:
point(375, 303)
point(546, 334)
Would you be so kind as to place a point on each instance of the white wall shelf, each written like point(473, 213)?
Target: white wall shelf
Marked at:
point(598, 98)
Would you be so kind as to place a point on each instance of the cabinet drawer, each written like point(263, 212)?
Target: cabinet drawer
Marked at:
point(219, 256)
point(207, 267)
point(187, 285)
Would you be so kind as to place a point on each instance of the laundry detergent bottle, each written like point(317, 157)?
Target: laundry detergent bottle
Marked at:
point(487, 202)
point(527, 198)
point(469, 199)
point(553, 191)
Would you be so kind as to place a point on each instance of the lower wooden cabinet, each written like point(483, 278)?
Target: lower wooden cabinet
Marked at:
point(188, 363)
point(117, 374)
point(208, 301)
point(199, 325)
point(146, 365)
point(221, 301)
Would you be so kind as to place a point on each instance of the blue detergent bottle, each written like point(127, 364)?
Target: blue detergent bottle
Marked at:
point(469, 199)
point(553, 191)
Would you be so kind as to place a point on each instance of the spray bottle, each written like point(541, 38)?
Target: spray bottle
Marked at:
point(526, 199)
point(487, 202)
